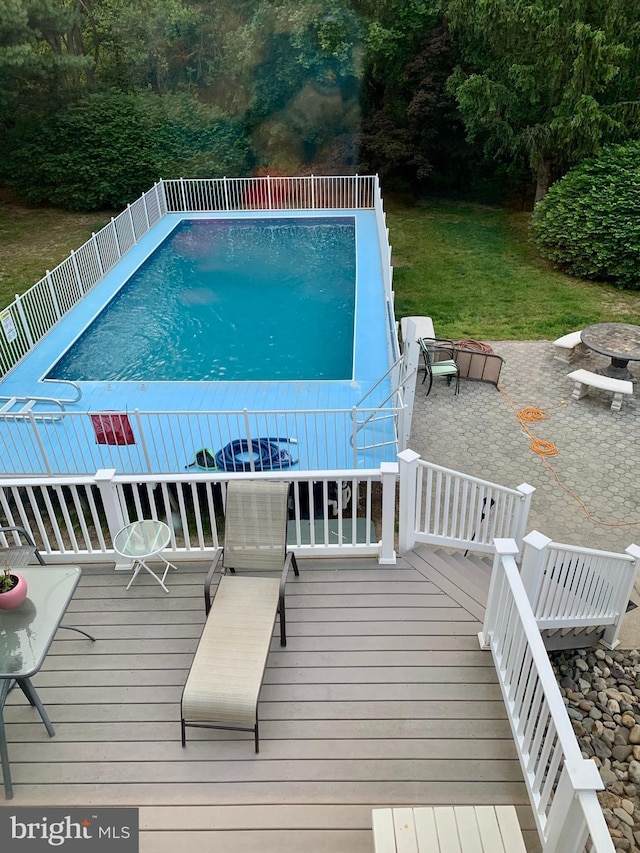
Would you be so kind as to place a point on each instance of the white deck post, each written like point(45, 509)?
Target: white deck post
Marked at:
point(504, 548)
point(389, 472)
point(112, 509)
point(612, 632)
point(533, 558)
point(523, 516)
point(566, 828)
point(408, 471)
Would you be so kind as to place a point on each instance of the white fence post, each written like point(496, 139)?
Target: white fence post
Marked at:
point(131, 223)
point(612, 632)
point(112, 509)
point(504, 548)
point(533, 557)
point(389, 474)
point(408, 470)
point(115, 237)
point(97, 251)
point(566, 829)
point(146, 212)
point(410, 365)
point(74, 264)
point(523, 516)
point(52, 293)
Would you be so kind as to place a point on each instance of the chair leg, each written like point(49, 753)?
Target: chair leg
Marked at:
point(184, 732)
point(257, 739)
point(430, 384)
point(295, 565)
point(283, 622)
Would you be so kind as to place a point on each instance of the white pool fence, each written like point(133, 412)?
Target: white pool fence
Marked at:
point(35, 312)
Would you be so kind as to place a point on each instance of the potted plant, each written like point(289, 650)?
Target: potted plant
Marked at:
point(13, 589)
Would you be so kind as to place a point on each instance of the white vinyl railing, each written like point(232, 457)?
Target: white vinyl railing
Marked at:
point(332, 513)
point(561, 784)
point(35, 312)
point(444, 507)
point(167, 442)
point(571, 587)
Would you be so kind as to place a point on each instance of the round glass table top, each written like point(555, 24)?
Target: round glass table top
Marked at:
point(142, 538)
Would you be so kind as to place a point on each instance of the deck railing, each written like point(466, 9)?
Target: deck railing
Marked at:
point(444, 507)
point(74, 519)
point(561, 784)
point(35, 312)
point(571, 587)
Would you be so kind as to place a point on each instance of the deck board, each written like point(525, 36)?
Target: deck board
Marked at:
point(382, 697)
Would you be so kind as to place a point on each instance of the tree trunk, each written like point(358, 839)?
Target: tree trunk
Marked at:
point(543, 179)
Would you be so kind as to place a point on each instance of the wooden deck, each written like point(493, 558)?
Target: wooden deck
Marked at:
point(381, 698)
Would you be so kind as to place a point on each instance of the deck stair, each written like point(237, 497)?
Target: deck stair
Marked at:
point(466, 579)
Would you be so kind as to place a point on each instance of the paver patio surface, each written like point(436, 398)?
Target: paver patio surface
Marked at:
point(478, 433)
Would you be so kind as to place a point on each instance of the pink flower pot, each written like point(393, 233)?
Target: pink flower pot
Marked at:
point(15, 596)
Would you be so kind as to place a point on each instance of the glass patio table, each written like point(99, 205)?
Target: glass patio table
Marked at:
point(619, 341)
point(26, 634)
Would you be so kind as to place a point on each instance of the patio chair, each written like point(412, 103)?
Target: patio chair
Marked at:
point(225, 678)
point(18, 549)
point(438, 355)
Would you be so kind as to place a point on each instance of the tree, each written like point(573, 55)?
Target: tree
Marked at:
point(589, 221)
point(547, 81)
point(107, 148)
point(41, 52)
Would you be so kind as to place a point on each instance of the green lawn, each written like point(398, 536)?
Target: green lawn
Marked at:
point(469, 267)
point(35, 239)
point(472, 269)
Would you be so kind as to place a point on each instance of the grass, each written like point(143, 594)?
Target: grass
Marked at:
point(469, 267)
point(35, 239)
point(473, 270)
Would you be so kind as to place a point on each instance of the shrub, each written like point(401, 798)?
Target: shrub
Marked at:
point(106, 149)
point(589, 221)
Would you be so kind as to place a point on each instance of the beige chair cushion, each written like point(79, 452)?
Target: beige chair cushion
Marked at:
point(226, 675)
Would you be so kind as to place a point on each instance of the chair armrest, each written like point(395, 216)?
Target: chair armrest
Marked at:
point(207, 583)
point(288, 561)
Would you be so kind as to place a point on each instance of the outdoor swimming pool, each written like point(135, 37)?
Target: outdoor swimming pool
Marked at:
point(332, 300)
point(233, 300)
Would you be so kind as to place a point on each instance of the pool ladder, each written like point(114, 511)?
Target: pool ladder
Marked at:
point(23, 406)
point(380, 415)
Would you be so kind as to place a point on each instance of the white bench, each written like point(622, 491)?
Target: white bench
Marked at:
point(583, 379)
point(568, 346)
point(447, 829)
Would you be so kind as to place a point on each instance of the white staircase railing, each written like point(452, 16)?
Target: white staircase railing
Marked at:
point(444, 507)
point(571, 587)
point(561, 784)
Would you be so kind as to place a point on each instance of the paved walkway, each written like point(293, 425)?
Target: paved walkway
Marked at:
point(599, 453)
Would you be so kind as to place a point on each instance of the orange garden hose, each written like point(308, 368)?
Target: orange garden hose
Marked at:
point(544, 449)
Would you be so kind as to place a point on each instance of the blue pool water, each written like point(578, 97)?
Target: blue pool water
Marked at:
point(248, 299)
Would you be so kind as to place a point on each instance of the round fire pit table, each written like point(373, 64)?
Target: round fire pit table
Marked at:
point(619, 341)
